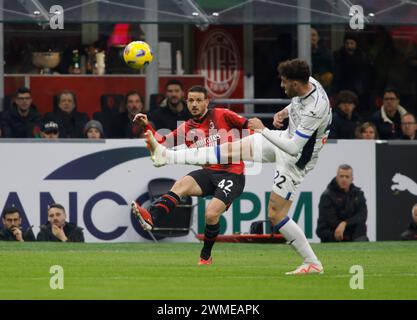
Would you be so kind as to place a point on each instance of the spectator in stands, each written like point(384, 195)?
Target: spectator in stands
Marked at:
point(49, 130)
point(342, 209)
point(93, 130)
point(345, 119)
point(411, 232)
point(408, 127)
point(57, 229)
point(321, 60)
point(12, 227)
point(22, 118)
point(71, 122)
point(388, 119)
point(368, 131)
point(353, 71)
point(122, 125)
point(172, 109)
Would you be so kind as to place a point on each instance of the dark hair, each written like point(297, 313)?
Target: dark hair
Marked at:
point(56, 205)
point(345, 167)
point(134, 93)
point(174, 82)
point(296, 69)
point(200, 89)
point(392, 90)
point(350, 36)
point(23, 90)
point(9, 210)
point(74, 97)
point(346, 96)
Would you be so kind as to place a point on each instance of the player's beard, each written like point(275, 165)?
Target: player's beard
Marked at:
point(290, 93)
point(58, 223)
point(174, 101)
point(199, 115)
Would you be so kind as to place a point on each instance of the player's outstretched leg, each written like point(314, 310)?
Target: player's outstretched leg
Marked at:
point(221, 154)
point(277, 213)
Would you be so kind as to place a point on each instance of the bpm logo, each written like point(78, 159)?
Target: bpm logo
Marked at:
point(219, 62)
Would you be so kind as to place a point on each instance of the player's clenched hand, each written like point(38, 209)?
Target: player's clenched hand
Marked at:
point(141, 119)
point(338, 233)
point(278, 119)
point(255, 124)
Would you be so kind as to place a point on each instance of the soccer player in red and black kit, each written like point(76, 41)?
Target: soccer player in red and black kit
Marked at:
point(225, 182)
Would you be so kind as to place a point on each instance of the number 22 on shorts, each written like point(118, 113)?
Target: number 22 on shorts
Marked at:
point(279, 179)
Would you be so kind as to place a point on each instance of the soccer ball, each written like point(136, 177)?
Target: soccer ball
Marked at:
point(137, 54)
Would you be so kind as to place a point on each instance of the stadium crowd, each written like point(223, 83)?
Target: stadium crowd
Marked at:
point(374, 88)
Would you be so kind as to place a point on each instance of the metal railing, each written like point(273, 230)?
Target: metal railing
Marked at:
point(226, 102)
point(249, 101)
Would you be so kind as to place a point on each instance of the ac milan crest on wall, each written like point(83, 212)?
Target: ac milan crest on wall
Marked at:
point(219, 59)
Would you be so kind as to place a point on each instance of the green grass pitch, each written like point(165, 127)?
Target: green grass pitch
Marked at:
point(169, 271)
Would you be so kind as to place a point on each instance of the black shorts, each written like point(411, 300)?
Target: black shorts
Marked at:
point(223, 185)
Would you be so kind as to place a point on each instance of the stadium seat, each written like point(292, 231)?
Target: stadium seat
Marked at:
point(155, 100)
point(7, 102)
point(110, 104)
point(178, 222)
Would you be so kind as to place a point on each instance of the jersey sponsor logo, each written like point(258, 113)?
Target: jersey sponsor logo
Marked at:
point(209, 141)
point(219, 62)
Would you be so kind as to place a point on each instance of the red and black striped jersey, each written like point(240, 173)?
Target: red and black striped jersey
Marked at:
point(216, 127)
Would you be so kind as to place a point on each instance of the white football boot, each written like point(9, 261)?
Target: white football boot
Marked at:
point(158, 151)
point(307, 268)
